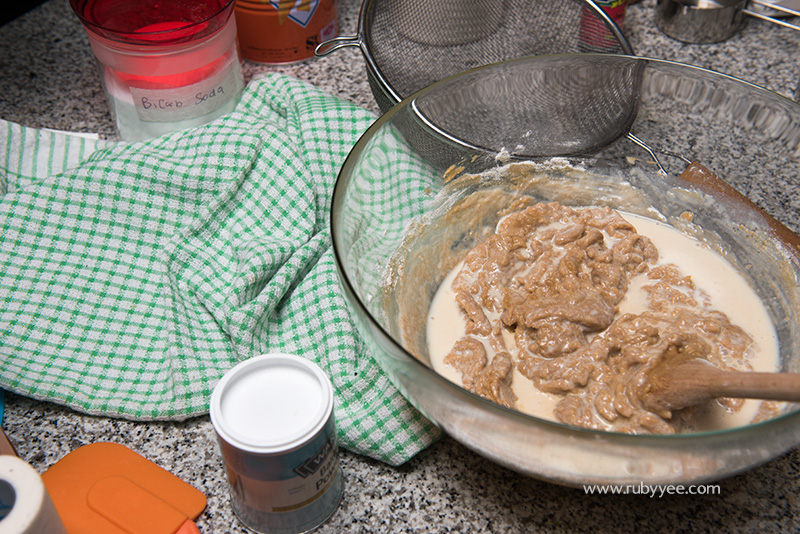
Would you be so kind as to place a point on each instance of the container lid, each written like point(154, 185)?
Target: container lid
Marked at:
point(271, 403)
point(162, 23)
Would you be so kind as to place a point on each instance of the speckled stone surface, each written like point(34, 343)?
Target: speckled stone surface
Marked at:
point(48, 79)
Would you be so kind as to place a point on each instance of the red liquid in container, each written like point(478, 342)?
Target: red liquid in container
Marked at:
point(167, 64)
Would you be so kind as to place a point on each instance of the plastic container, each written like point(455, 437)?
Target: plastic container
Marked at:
point(166, 65)
point(284, 32)
point(25, 504)
point(273, 415)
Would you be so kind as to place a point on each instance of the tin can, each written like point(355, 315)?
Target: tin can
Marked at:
point(284, 31)
point(593, 33)
point(273, 415)
point(614, 9)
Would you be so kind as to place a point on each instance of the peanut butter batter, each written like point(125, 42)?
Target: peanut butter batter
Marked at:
point(545, 303)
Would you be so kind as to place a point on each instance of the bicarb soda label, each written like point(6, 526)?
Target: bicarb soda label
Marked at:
point(189, 101)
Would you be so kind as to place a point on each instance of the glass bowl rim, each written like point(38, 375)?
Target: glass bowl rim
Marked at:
point(791, 417)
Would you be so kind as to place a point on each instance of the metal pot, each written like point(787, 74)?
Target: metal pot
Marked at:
point(712, 21)
point(700, 21)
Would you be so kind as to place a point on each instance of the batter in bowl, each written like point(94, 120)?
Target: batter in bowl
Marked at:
point(562, 312)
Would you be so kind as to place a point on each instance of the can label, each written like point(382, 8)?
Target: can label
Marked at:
point(285, 31)
point(614, 9)
point(594, 35)
point(299, 11)
point(294, 483)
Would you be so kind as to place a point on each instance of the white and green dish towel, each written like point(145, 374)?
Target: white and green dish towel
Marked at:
point(134, 275)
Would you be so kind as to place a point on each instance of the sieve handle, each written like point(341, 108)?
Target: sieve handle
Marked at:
point(776, 7)
point(332, 45)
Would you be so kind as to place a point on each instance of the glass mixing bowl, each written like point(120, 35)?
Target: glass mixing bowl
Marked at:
point(422, 186)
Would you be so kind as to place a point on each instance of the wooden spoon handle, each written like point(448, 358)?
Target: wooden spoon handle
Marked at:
point(697, 381)
point(770, 386)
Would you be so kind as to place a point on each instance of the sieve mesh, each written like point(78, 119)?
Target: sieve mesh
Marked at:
point(566, 104)
point(409, 45)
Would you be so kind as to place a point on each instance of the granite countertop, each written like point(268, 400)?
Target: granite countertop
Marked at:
point(48, 79)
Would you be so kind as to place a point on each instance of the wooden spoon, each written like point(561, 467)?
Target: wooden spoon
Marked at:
point(680, 382)
point(696, 381)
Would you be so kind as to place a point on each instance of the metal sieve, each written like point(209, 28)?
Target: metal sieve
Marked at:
point(408, 45)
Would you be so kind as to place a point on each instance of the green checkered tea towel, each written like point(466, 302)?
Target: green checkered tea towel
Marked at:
point(133, 275)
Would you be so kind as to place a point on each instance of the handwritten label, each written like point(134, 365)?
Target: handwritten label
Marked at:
point(188, 102)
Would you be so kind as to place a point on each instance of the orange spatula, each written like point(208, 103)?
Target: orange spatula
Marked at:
point(106, 488)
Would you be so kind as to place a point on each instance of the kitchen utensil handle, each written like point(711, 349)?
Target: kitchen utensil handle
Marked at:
point(775, 7)
point(772, 386)
point(332, 45)
point(697, 381)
